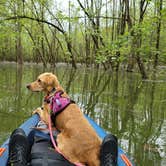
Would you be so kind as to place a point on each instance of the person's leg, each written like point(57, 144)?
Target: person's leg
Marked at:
point(109, 151)
point(42, 153)
point(18, 148)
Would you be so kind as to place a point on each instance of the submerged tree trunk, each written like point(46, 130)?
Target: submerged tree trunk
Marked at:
point(137, 40)
point(88, 59)
point(19, 49)
point(131, 59)
point(159, 9)
point(42, 35)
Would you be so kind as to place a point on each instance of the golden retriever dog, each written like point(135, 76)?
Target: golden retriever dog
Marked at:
point(77, 140)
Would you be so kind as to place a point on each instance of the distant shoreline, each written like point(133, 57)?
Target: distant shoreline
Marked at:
point(162, 66)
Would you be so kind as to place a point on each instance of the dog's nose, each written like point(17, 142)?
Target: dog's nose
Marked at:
point(28, 86)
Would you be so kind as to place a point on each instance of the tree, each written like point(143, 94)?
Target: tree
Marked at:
point(158, 30)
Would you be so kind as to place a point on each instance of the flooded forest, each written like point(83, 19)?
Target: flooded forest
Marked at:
point(107, 33)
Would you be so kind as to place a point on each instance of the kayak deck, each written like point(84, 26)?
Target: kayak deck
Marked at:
point(31, 122)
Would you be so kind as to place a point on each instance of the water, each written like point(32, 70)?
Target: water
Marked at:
point(121, 103)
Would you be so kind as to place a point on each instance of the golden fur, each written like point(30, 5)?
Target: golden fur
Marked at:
point(77, 139)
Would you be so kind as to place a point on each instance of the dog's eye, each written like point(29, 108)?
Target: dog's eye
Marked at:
point(39, 80)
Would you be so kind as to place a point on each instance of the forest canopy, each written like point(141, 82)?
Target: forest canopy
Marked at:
point(107, 32)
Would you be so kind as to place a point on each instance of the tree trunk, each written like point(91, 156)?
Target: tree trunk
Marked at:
point(19, 51)
point(87, 40)
point(137, 39)
point(159, 9)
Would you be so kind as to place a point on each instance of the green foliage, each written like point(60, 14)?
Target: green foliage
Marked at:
point(101, 57)
point(82, 26)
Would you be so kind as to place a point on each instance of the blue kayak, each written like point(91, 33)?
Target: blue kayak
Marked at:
point(27, 126)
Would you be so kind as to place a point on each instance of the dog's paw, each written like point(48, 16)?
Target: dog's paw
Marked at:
point(37, 111)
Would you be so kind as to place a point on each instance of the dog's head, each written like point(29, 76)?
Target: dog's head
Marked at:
point(45, 82)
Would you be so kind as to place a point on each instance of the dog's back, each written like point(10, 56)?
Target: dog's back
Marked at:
point(82, 141)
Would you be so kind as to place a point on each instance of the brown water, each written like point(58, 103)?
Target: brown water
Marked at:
point(121, 103)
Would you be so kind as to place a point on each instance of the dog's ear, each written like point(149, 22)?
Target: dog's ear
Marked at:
point(54, 81)
point(51, 81)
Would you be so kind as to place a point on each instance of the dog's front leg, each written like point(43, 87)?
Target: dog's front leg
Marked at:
point(39, 111)
point(43, 113)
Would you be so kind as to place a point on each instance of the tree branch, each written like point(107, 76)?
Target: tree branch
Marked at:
point(35, 19)
point(88, 15)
